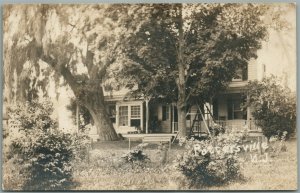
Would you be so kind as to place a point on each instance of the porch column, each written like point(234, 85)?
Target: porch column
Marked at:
point(142, 116)
point(173, 116)
point(117, 115)
point(147, 115)
point(249, 123)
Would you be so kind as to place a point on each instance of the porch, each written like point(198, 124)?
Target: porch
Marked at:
point(158, 116)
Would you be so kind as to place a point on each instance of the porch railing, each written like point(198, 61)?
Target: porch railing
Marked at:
point(230, 124)
point(251, 125)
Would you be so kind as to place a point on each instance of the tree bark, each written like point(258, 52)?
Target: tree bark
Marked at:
point(181, 103)
point(90, 96)
point(94, 102)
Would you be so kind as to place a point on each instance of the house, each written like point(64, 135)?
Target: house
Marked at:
point(156, 116)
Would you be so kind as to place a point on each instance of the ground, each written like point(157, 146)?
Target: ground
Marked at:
point(105, 170)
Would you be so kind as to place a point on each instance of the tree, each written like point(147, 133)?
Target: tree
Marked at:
point(76, 42)
point(273, 106)
point(181, 51)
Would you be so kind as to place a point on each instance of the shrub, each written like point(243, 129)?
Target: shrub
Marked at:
point(136, 157)
point(274, 106)
point(277, 144)
point(42, 153)
point(216, 129)
point(46, 159)
point(81, 144)
point(210, 162)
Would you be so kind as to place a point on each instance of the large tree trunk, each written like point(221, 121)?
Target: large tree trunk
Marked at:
point(89, 95)
point(104, 126)
point(181, 103)
point(94, 102)
point(181, 120)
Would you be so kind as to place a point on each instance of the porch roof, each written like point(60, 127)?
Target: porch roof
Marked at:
point(118, 95)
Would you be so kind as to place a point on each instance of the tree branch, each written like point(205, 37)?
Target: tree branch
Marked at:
point(64, 71)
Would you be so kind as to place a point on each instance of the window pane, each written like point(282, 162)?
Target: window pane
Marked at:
point(135, 111)
point(135, 123)
point(234, 108)
point(165, 113)
point(123, 116)
point(240, 74)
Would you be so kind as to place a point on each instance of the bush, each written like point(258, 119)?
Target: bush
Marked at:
point(216, 129)
point(277, 145)
point(210, 162)
point(46, 159)
point(274, 106)
point(136, 157)
point(81, 144)
point(42, 153)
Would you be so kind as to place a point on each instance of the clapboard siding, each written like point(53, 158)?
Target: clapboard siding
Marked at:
point(252, 70)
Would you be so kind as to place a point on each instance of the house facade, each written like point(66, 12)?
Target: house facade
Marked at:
point(157, 116)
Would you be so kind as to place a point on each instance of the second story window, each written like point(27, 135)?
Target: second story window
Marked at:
point(241, 74)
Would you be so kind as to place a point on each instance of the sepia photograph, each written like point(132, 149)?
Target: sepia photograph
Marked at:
point(149, 96)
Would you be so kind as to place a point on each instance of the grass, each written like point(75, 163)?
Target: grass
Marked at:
point(105, 170)
point(279, 174)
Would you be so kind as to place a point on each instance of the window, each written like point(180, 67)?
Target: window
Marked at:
point(130, 115)
point(123, 116)
point(135, 119)
point(234, 109)
point(135, 112)
point(215, 109)
point(241, 74)
point(112, 113)
point(188, 111)
point(165, 113)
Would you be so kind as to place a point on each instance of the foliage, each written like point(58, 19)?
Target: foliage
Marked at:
point(210, 162)
point(74, 49)
point(106, 164)
point(32, 115)
point(206, 28)
point(74, 34)
point(216, 129)
point(42, 153)
point(81, 144)
point(46, 158)
point(274, 106)
point(278, 144)
point(136, 157)
point(185, 52)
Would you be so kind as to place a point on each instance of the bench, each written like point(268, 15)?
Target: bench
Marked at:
point(158, 139)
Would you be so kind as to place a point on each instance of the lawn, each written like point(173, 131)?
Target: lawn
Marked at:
point(278, 174)
point(105, 170)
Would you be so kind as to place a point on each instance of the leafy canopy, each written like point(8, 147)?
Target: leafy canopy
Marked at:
point(77, 42)
point(217, 39)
